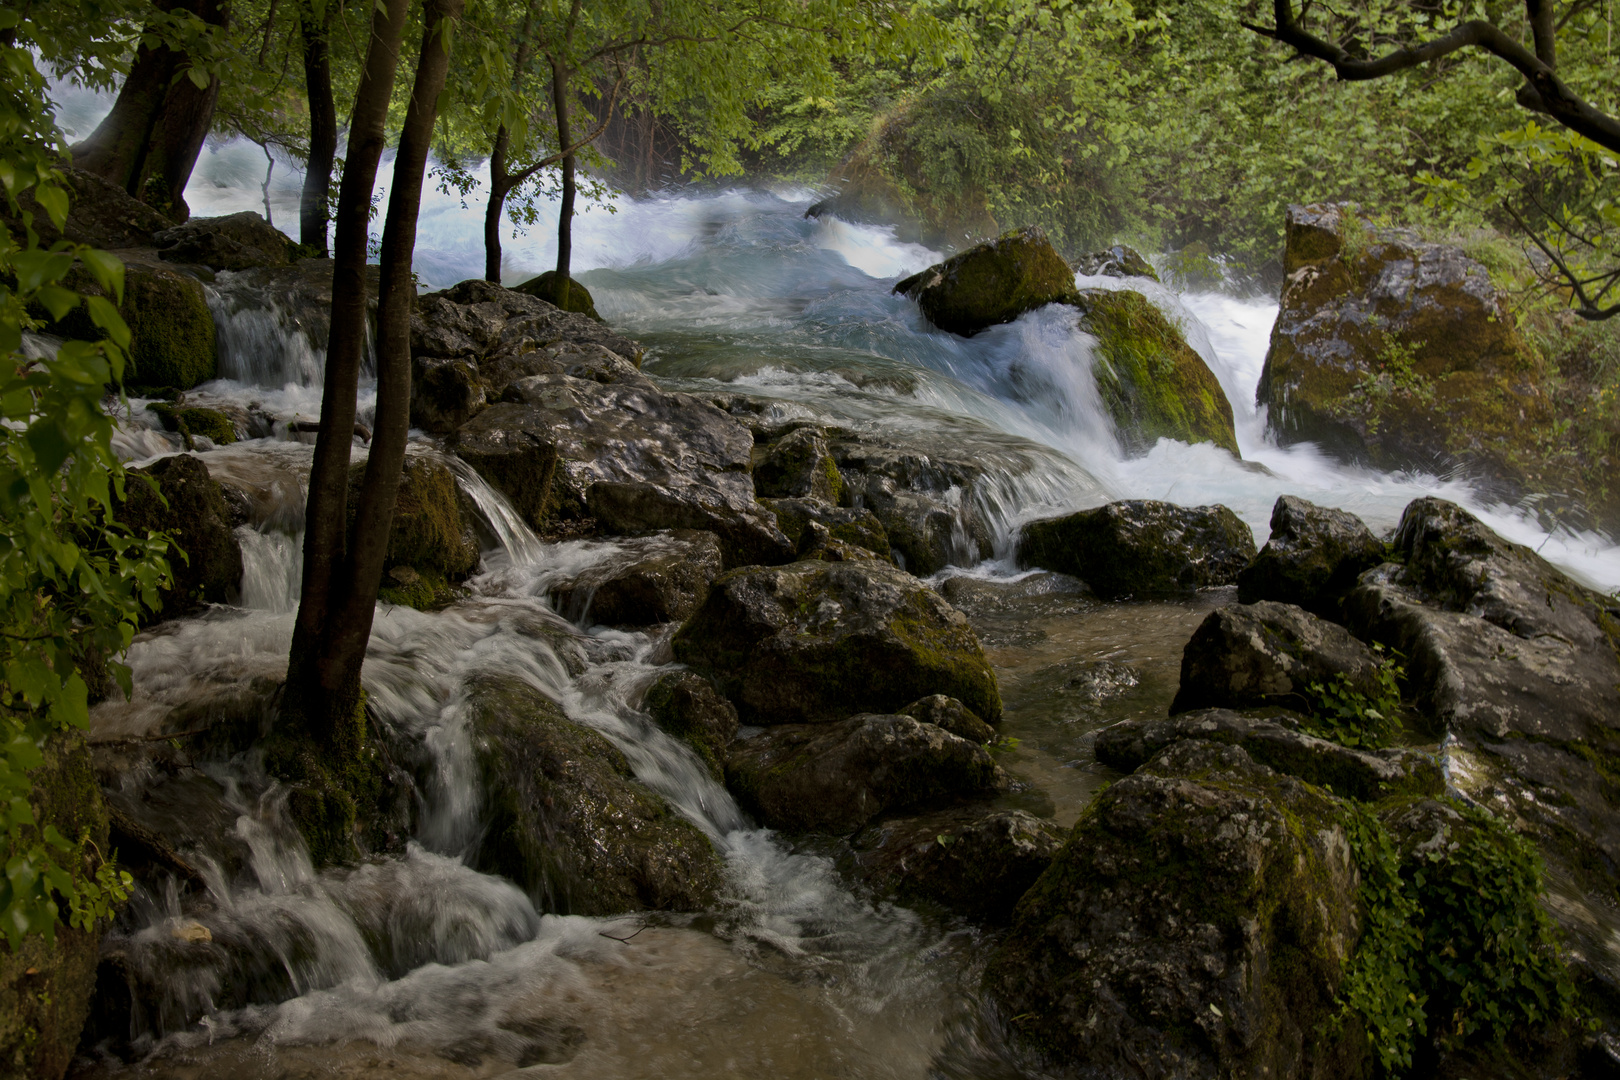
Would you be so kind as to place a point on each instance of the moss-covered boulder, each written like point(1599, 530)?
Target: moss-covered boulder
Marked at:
point(1312, 559)
point(100, 213)
point(547, 287)
point(171, 329)
point(654, 579)
point(233, 242)
point(991, 283)
point(1141, 547)
point(835, 777)
point(846, 524)
point(194, 421)
point(1197, 923)
point(1154, 385)
point(1401, 353)
point(798, 465)
point(687, 706)
point(565, 818)
point(46, 988)
point(433, 544)
point(818, 641)
point(197, 520)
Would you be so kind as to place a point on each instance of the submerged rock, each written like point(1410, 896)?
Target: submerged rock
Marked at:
point(687, 706)
point(994, 282)
point(1312, 559)
point(817, 640)
point(565, 818)
point(1140, 547)
point(197, 520)
point(233, 242)
point(835, 777)
point(666, 580)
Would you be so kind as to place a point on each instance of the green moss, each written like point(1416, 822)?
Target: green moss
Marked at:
point(190, 422)
point(335, 781)
point(424, 590)
point(172, 338)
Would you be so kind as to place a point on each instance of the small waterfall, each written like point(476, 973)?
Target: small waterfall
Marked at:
point(261, 343)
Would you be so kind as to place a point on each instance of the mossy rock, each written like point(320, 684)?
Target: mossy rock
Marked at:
point(687, 706)
point(992, 283)
point(546, 287)
point(1119, 261)
point(172, 335)
point(197, 520)
point(1141, 547)
point(844, 524)
point(193, 421)
point(432, 544)
point(798, 465)
point(1153, 384)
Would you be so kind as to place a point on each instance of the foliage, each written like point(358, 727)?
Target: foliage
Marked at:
point(1346, 715)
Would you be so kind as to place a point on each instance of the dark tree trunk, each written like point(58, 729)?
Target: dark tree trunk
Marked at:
point(565, 212)
point(323, 131)
point(500, 182)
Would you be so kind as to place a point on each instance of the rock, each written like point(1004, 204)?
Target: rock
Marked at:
point(545, 287)
point(816, 641)
point(171, 329)
point(1277, 744)
point(665, 580)
point(1270, 654)
point(1400, 353)
point(952, 715)
point(835, 777)
point(444, 393)
point(100, 214)
point(191, 422)
point(566, 820)
point(798, 465)
point(687, 706)
point(860, 528)
point(1312, 559)
point(513, 451)
point(1196, 924)
point(197, 520)
point(478, 319)
point(234, 242)
point(46, 989)
point(1153, 384)
point(974, 861)
point(433, 543)
point(994, 282)
point(1140, 547)
point(1120, 261)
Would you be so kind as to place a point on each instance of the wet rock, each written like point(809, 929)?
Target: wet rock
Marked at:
point(1400, 353)
point(512, 448)
point(46, 989)
point(444, 393)
point(1277, 743)
point(815, 640)
point(1270, 654)
point(857, 527)
point(1120, 261)
point(991, 283)
point(974, 861)
point(1140, 547)
point(545, 287)
point(197, 520)
point(1153, 384)
point(952, 715)
point(171, 329)
point(835, 777)
point(798, 465)
point(566, 820)
point(687, 706)
point(433, 543)
point(233, 242)
point(193, 422)
point(478, 319)
point(666, 579)
point(1196, 923)
point(1312, 559)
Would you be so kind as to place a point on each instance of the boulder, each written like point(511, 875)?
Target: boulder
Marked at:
point(1401, 353)
point(234, 242)
point(1153, 384)
point(512, 449)
point(818, 641)
point(1277, 743)
point(192, 422)
point(1196, 924)
point(545, 287)
point(994, 282)
point(1140, 547)
point(835, 777)
point(1270, 654)
point(478, 319)
point(433, 543)
point(798, 465)
point(46, 988)
point(567, 821)
point(971, 860)
point(664, 578)
point(845, 524)
point(100, 213)
point(1312, 559)
point(1119, 261)
point(952, 715)
point(687, 706)
point(171, 330)
point(445, 393)
point(197, 520)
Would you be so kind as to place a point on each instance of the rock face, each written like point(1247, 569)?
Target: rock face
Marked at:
point(1398, 352)
point(433, 543)
point(1269, 654)
point(992, 283)
point(686, 705)
point(1154, 385)
point(836, 777)
point(1141, 548)
point(198, 521)
point(666, 580)
point(45, 990)
point(233, 242)
point(971, 860)
point(1312, 559)
point(1196, 924)
point(844, 524)
point(565, 819)
point(952, 715)
point(817, 640)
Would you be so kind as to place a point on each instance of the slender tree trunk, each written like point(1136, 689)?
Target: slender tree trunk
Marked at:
point(500, 182)
point(323, 130)
point(565, 212)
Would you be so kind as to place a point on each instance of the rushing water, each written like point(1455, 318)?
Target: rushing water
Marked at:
point(420, 966)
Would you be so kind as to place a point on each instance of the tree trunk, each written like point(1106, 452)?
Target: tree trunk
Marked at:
point(500, 182)
point(323, 131)
point(565, 212)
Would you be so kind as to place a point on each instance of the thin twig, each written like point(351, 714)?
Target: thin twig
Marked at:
point(621, 940)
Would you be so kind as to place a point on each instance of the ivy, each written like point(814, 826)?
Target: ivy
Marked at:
point(1346, 715)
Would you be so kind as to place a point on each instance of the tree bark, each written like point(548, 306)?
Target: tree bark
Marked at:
point(499, 184)
point(323, 130)
point(565, 212)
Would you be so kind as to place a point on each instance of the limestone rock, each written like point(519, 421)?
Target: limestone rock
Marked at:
point(234, 242)
point(545, 287)
point(687, 706)
point(994, 282)
point(1140, 547)
point(197, 520)
point(665, 579)
point(171, 330)
point(835, 777)
point(1312, 559)
point(798, 465)
point(100, 213)
point(444, 393)
point(816, 641)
